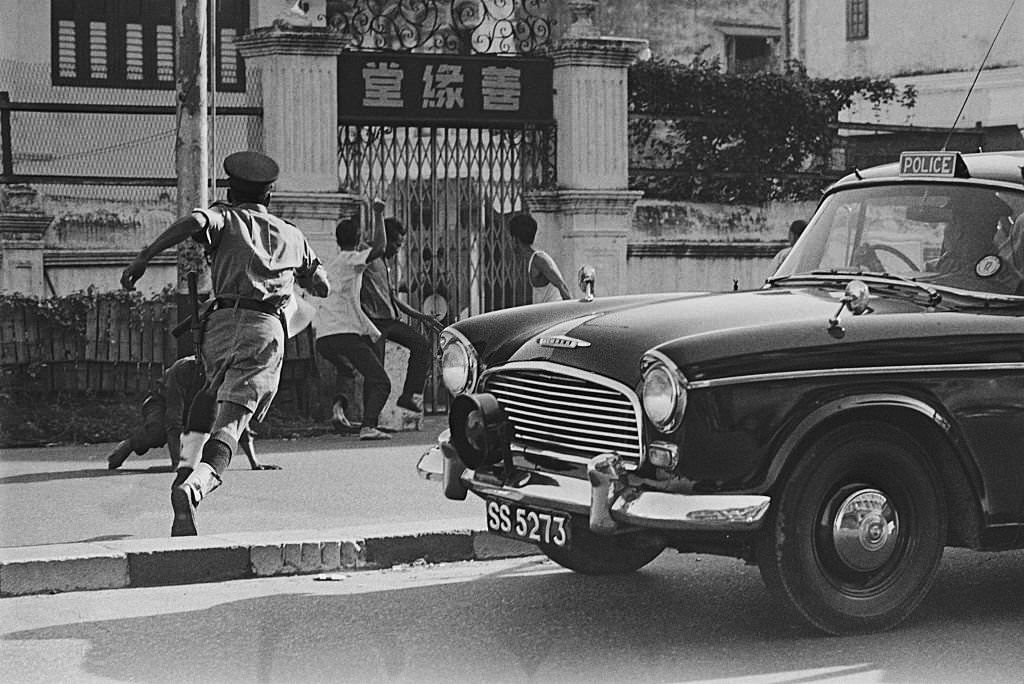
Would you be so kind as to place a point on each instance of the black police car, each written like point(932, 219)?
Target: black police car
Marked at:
point(838, 427)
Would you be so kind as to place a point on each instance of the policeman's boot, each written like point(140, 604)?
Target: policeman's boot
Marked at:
point(186, 495)
point(119, 454)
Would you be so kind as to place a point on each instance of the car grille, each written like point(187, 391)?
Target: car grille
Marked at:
point(572, 417)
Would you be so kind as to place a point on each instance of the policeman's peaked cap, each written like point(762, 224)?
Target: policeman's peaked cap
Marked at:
point(251, 169)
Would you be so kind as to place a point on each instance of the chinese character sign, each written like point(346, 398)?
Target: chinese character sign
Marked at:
point(500, 88)
point(442, 87)
point(382, 84)
point(417, 88)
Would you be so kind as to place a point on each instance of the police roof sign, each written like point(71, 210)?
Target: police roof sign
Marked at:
point(427, 89)
point(942, 163)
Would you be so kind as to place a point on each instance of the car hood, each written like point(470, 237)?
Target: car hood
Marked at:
point(712, 335)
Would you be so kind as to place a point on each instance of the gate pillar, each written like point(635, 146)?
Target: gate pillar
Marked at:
point(587, 220)
point(298, 76)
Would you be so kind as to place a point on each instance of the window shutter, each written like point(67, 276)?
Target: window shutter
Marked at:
point(98, 50)
point(64, 62)
point(131, 43)
point(232, 22)
point(165, 53)
point(134, 53)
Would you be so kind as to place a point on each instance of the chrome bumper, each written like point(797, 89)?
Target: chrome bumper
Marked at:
point(608, 500)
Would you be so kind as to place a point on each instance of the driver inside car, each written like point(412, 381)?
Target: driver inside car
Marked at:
point(976, 254)
point(1009, 242)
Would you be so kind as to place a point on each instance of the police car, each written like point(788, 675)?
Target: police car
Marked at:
point(838, 427)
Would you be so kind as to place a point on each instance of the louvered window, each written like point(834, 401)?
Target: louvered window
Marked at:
point(229, 65)
point(98, 50)
point(64, 64)
point(130, 43)
point(165, 53)
point(133, 52)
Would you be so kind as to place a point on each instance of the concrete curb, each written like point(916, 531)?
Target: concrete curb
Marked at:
point(123, 564)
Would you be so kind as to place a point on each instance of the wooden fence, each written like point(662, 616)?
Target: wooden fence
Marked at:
point(124, 347)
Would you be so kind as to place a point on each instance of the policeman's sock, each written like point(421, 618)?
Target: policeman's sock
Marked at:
point(217, 453)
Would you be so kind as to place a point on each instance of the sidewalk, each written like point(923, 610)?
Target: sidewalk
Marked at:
point(67, 523)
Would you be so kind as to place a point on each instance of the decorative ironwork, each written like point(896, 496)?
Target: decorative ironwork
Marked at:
point(444, 26)
point(453, 188)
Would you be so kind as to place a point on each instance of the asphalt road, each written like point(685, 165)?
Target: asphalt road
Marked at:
point(66, 494)
point(683, 618)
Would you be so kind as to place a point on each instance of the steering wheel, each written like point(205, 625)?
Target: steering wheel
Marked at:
point(867, 256)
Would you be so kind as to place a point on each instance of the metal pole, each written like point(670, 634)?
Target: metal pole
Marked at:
point(191, 151)
point(214, 72)
point(7, 154)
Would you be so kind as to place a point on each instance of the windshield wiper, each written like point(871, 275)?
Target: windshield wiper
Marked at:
point(807, 275)
point(934, 296)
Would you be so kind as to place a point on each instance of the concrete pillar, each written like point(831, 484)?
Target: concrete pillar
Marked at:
point(298, 76)
point(21, 254)
point(587, 220)
point(298, 79)
point(22, 227)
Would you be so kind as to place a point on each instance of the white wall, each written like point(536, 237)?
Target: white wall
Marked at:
point(911, 37)
point(934, 45)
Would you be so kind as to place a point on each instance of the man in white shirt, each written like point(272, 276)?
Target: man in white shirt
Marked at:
point(344, 333)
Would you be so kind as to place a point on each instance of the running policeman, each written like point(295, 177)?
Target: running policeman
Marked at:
point(255, 259)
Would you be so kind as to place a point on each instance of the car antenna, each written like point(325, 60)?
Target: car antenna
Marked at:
point(981, 66)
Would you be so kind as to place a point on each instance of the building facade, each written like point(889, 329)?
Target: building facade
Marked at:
point(937, 46)
point(744, 35)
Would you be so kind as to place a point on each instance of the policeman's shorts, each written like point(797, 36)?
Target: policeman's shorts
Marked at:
point(243, 351)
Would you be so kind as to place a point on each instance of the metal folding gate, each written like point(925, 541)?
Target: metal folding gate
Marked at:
point(453, 188)
point(445, 111)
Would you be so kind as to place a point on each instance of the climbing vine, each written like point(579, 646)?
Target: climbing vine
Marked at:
point(704, 135)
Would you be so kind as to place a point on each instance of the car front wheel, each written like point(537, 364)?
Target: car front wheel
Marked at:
point(593, 554)
point(856, 534)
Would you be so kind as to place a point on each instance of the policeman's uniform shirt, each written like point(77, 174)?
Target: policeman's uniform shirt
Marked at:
point(376, 292)
point(340, 311)
point(256, 255)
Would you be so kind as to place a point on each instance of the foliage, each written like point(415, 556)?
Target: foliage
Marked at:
point(33, 414)
point(71, 311)
point(740, 137)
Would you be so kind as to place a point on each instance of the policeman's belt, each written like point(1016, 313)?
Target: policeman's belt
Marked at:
point(270, 307)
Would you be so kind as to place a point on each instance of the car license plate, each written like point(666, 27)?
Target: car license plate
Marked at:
point(527, 524)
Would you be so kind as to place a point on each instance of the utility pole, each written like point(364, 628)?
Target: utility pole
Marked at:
point(191, 145)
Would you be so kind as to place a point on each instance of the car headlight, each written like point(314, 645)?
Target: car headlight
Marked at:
point(663, 393)
point(458, 363)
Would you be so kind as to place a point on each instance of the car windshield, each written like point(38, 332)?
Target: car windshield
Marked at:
point(947, 235)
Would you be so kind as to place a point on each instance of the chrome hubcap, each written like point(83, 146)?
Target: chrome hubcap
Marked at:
point(865, 530)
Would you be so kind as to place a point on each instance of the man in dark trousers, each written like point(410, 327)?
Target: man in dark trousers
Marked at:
point(382, 306)
point(164, 411)
point(255, 260)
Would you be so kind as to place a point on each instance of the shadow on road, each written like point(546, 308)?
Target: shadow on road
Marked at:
point(29, 478)
point(695, 618)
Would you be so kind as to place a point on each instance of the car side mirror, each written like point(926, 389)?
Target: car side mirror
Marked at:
point(587, 277)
